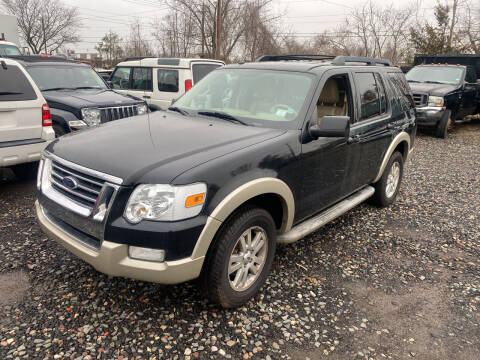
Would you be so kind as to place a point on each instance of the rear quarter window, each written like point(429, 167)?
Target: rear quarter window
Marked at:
point(401, 90)
point(14, 85)
point(202, 70)
point(167, 80)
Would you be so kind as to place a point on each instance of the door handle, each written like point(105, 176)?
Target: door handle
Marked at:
point(147, 97)
point(353, 139)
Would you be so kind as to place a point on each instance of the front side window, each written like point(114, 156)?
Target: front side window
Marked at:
point(435, 74)
point(201, 70)
point(58, 77)
point(121, 78)
point(14, 86)
point(334, 98)
point(470, 76)
point(369, 95)
point(256, 97)
point(167, 80)
point(142, 79)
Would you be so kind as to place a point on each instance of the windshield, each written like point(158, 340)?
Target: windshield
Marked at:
point(258, 98)
point(437, 74)
point(65, 77)
point(9, 50)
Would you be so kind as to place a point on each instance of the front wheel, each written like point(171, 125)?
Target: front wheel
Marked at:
point(386, 189)
point(240, 258)
point(445, 124)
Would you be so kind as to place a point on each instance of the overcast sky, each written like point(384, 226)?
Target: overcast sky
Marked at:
point(304, 17)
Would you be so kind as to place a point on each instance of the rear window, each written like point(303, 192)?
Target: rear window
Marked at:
point(167, 80)
point(14, 86)
point(201, 70)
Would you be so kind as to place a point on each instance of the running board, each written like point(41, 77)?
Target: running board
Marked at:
point(303, 229)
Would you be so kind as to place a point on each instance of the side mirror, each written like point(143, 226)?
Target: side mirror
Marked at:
point(331, 126)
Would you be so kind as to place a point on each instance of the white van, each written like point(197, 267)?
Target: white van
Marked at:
point(25, 121)
point(160, 80)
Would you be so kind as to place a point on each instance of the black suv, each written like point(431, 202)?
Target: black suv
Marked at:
point(78, 97)
point(254, 155)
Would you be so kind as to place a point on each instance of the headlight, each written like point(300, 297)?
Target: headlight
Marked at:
point(91, 116)
point(436, 101)
point(165, 202)
point(142, 109)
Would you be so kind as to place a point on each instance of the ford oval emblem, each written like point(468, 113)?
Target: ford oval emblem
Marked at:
point(70, 182)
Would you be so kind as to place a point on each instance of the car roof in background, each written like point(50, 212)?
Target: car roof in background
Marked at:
point(166, 62)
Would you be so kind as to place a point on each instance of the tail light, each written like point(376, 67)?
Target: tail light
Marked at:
point(46, 116)
point(188, 85)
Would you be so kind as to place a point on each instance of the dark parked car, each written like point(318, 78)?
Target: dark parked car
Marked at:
point(254, 154)
point(78, 97)
point(445, 88)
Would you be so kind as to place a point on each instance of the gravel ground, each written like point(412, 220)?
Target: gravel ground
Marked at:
point(390, 283)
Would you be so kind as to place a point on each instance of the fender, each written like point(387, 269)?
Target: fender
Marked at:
point(238, 197)
point(62, 117)
point(403, 136)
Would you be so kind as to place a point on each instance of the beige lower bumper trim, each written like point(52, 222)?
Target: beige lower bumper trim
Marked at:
point(112, 258)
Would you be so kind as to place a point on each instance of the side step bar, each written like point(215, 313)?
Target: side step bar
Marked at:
point(308, 226)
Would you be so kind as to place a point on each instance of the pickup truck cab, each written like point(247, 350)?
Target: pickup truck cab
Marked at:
point(25, 122)
point(9, 49)
point(159, 81)
point(445, 91)
point(254, 155)
point(78, 97)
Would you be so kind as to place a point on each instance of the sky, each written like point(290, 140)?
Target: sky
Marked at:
point(302, 17)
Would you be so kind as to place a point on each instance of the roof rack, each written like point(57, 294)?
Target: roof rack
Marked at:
point(138, 58)
point(336, 60)
point(298, 57)
point(341, 60)
point(38, 58)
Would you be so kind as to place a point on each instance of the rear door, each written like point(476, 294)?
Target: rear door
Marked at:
point(167, 86)
point(20, 105)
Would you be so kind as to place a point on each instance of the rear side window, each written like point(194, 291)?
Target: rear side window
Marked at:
point(402, 90)
point(142, 79)
point(382, 93)
point(167, 80)
point(201, 70)
point(121, 78)
point(14, 86)
point(369, 95)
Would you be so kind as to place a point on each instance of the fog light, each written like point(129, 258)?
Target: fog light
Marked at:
point(141, 253)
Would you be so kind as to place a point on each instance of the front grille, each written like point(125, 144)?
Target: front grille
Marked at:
point(420, 99)
point(85, 190)
point(115, 113)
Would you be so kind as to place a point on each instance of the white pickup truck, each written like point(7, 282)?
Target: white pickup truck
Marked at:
point(25, 121)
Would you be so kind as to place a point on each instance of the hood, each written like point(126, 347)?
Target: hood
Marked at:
point(77, 99)
point(156, 147)
point(433, 89)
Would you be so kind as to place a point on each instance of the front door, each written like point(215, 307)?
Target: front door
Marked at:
point(327, 162)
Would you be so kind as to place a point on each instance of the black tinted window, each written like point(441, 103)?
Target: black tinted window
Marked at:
point(142, 79)
point(201, 70)
point(470, 76)
point(382, 93)
point(402, 90)
point(14, 86)
point(167, 80)
point(370, 99)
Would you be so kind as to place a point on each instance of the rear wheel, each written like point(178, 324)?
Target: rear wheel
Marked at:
point(386, 189)
point(445, 124)
point(240, 258)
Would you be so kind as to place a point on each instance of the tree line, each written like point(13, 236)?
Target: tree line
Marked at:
point(250, 28)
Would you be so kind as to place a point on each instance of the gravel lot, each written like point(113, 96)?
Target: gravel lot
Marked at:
point(393, 283)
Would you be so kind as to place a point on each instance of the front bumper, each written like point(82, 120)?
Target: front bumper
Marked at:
point(112, 258)
point(429, 116)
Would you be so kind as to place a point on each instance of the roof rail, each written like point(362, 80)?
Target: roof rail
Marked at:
point(298, 57)
point(38, 58)
point(341, 60)
point(138, 58)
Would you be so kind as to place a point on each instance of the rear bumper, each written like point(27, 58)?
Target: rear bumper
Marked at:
point(112, 258)
point(25, 151)
point(429, 116)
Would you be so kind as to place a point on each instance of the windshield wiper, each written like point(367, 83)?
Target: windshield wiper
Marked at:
point(88, 87)
point(433, 82)
point(414, 81)
point(10, 93)
point(177, 109)
point(223, 115)
point(58, 88)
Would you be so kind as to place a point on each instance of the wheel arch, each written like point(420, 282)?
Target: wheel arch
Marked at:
point(401, 142)
point(259, 192)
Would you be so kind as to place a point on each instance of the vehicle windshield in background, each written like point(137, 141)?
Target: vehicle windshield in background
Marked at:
point(258, 98)
point(48, 77)
point(9, 50)
point(435, 74)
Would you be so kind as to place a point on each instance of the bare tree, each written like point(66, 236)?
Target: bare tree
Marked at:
point(45, 25)
point(110, 48)
point(136, 45)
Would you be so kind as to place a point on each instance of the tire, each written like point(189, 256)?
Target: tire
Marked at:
point(444, 125)
point(228, 290)
point(26, 171)
point(385, 192)
point(59, 130)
